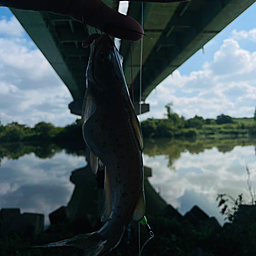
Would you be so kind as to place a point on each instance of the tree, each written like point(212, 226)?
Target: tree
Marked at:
point(44, 128)
point(210, 121)
point(224, 119)
point(169, 109)
point(148, 127)
point(13, 134)
point(44, 131)
point(196, 122)
point(254, 117)
point(164, 129)
point(1, 127)
point(174, 117)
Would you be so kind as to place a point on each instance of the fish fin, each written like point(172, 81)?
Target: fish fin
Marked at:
point(139, 211)
point(89, 106)
point(107, 208)
point(92, 244)
point(101, 164)
point(94, 163)
point(136, 127)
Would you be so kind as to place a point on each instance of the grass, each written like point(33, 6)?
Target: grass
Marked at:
point(245, 120)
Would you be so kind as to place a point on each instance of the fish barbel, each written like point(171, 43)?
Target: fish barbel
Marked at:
point(112, 132)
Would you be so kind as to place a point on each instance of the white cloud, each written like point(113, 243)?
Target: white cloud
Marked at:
point(231, 59)
point(239, 35)
point(226, 84)
point(33, 92)
point(30, 90)
point(11, 27)
point(19, 63)
point(7, 88)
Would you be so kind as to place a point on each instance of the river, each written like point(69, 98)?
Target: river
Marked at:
point(184, 174)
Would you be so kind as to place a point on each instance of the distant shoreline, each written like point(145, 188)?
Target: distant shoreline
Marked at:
point(174, 126)
point(224, 127)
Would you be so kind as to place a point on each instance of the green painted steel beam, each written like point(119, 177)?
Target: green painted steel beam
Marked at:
point(173, 33)
point(174, 48)
point(46, 39)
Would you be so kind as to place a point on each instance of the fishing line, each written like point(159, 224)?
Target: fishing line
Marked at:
point(151, 237)
point(144, 222)
point(132, 73)
point(141, 55)
point(141, 48)
point(139, 237)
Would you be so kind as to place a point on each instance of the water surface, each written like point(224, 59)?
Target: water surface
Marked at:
point(189, 175)
point(183, 173)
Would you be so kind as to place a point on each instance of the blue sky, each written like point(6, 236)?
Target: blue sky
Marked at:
point(220, 80)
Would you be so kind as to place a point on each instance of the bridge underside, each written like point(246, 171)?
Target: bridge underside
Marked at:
point(174, 32)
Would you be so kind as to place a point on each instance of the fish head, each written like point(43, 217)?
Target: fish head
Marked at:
point(105, 65)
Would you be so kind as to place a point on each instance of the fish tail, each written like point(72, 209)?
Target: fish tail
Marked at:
point(92, 244)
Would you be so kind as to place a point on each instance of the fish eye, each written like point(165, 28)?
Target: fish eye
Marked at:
point(102, 56)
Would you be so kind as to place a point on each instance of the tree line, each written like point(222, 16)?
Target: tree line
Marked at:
point(175, 126)
point(172, 126)
point(42, 131)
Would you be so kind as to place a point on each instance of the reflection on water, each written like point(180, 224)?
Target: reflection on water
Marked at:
point(192, 173)
point(37, 185)
point(184, 174)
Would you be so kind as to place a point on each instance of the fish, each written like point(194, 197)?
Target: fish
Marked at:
point(113, 135)
point(112, 132)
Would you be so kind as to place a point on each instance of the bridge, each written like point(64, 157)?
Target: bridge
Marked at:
point(174, 32)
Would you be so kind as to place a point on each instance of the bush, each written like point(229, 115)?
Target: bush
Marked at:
point(210, 121)
point(148, 128)
point(164, 129)
point(196, 122)
point(224, 119)
point(186, 134)
point(252, 131)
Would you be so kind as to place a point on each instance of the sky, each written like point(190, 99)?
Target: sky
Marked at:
point(220, 79)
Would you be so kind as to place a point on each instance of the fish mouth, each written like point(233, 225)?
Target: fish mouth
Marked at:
point(105, 47)
point(105, 44)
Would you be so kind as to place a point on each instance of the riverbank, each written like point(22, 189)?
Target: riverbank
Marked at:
point(199, 128)
point(173, 127)
point(193, 235)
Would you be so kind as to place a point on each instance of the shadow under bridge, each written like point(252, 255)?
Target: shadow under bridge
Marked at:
point(174, 32)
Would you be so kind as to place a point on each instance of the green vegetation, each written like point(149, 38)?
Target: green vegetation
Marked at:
point(173, 126)
point(172, 237)
point(239, 233)
point(44, 140)
point(44, 132)
point(197, 127)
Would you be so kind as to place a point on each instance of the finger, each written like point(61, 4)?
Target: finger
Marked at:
point(99, 15)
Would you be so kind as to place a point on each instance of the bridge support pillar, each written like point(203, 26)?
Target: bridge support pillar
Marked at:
point(76, 108)
point(144, 108)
